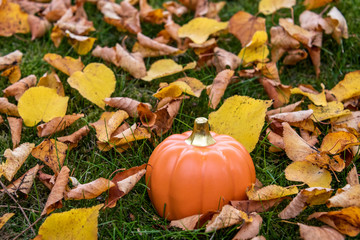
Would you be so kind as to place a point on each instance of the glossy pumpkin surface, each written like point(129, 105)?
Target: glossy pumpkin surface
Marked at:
point(184, 180)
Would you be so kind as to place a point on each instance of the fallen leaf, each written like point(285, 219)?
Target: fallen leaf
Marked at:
point(281, 43)
point(41, 103)
point(199, 29)
point(38, 26)
point(12, 73)
point(195, 85)
point(291, 117)
point(347, 198)
point(223, 60)
point(243, 25)
point(314, 22)
point(147, 13)
point(348, 87)
point(67, 65)
point(52, 81)
point(300, 34)
point(270, 6)
point(323, 232)
point(10, 60)
point(188, 223)
point(339, 24)
point(256, 49)
point(52, 153)
point(15, 159)
point(160, 48)
point(8, 108)
point(73, 139)
point(165, 116)
point(280, 93)
point(250, 206)
point(146, 116)
point(350, 120)
point(25, 182)
point(288, 108)
point(12, 19)
point(75, 21)
point(89, 190)
point(317, 99)
point(353, 177)
point(96, 82)
point(80, 223)
point(175, 8)
point(239, 111)
point(165, 67)
point(275, 139)
point(127, 104)
point(250, 229)
point(17, 89)
point(336, 142)
point(218, 87)
point(171, 91)
point(270, 192)
point(332, 110)
point(4, 218)
point(15, 129)
point(56, 9)
point(311, 4)
point(312, 175)
point(57, 124)
point(57, 192)
point(47, 179)
point(81, 44)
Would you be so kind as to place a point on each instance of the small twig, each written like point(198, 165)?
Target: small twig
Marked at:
point(28, 209)
point(324, 10)
point(292, 15)
point(28, 228)
point(21, 209)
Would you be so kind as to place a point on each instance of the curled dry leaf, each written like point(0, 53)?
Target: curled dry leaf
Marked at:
point(281, 42)
point(243, 25)
point(160, 48)
point(347, 198)
point(269, 70)
point(332, 110)
point(336, 142)
point(270, 192)
point(47, 179)
point(8, 108)
point(287, 108)
point(57, 124)
point(218, 87)
point(188, 223)
point(348, 87)
point(314, 22)
point(81, 44)
point(10, 59)
point(56, 9)
point(52, 81)
point(25, 182)
point(195, 85)
point(250, 229)
point(15, 128)
point(280, 93)
point(353, 177)
point(4, 218)
point(304, 36)
point(295, 56)
point(339, 24)
point(317, 98)
point(12, 73)
point(323, 232)
point(270, 6)
point(309, 196)
point(127, 104)
point(38, 26)
point(52, 153)
point(73, 139)
point(123, 182)
point(57, 192)
point(175, 8)
point(351, 120)
point(15, 159)
point(89, 190)
point(223, 60)
point(292, 116)
point(17, 89)
point(311, 4)
point(146, 116)
point(250, 206)
point(67, 65)
point(256, 50)
point(147, 13)
point(12, 19)
point(275, 139)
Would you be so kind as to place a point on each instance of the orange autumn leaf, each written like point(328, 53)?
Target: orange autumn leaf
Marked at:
point(4, 218)
point(311, 4)
point(52, 81)
point(270, 6)
point(8, 108)
point(24, 183)
point(67, 65)
point(17, 89)
point(217, 89)
point(90, 190)
point(57, 124)
point(15, 129)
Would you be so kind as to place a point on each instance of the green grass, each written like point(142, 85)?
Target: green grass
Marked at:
point(134, 217)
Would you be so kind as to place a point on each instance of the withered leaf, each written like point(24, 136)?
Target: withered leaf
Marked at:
point(292, 116)
point(52, 81)
point(250, 206)
point(15, 128)
point(223, 59)
point(160, 48)
point(8, 108)
point(89, 190)
point(281, 42)
point(25, 182)
point(67, 65)
point(350, 197)
point(323, 232)
point(17, 89)
point(10, 59)
point(250, 229)
point(12, 19)
point(57, 124)
point(270, 192)
point(75, 137)
point(56, 9)
point(4, 218)
point(38, 26)
point(300, 34)
point(218, 87)
point(127, 104)
point(353, 177)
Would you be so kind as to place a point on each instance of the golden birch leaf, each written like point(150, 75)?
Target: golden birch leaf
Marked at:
point(336, 142)
point(256, 50)
point(96, 82)
point(4, 218)
point(12, 19)
point(41, 104)
point(332, 110)
point(347, 88)
point(195, 85)
point(199, 29)
point(317, 99)
point(172, 91)
point(76, 224)
point(81, 44)
point(67, 65)
point(240, 111)
point(270, 192)
point(52, 80)
point(15, 159)
point(90, 190)
point(108, 124)
point(312, 175)
point(165, 67)
point(270, 6)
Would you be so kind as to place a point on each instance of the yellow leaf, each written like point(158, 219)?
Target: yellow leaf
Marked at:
point(270, 6)
point(337, 142)
point(4, 218)
point(242, 118)
point(81, 44)
point(333, 109)
point(317, 99)
point(165, 67)
point(96, 82)
point(76, 224)
point(12, 19)
point(199, 29)
point(347, 88)
point(256, 50)
point(172, 91)
point(67, 65)
point(41, 103)
point(270, 192)
point(312, 175)
point(196, 86)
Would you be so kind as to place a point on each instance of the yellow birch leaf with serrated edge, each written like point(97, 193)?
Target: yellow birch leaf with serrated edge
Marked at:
point(270, 192)
point(347, 88)
point(76, 224)
point(199, 29)
point(41, 103)
point(333, 109)
point(256, 50)
point(95, 83)
point(247, 112)
point(312, 175)
point(270, 6)
point(165, 67)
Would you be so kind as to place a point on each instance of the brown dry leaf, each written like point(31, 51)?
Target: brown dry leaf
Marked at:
point(4, 218)
point(268, 7)
point(38, 26)
point(332, 110)
point(149, 14)
point(52, 81)
point(165, 67)
point(314, 22)
point(10, 60)
point(57, 192)
point(287, 108)
point(17, 89)
point(172, 28)
point(270, 192)
point(311, 4)
point(223, 60)
point(52, 153)
point(346, 220)
point(47, 179)
point(323, 232)
point(269, 70)
point(214, 8)
point(276, 140)
point(281, 42)
point(8, 108)
point(175, 8)
point(250, 206)
point(353, 177)
point(316, 98)
point(300, 34)
point(312, 175)
point(188, 223)
point(127, 104)
point(73, 139)
point(348, 87)
point(165, 116)
point(57, 124)
point(15, 128)
point(160, 49)
point(15, 159)
point(280, 93)
point(243, 25)
point(25, 182)
point(201, 8)
point(89, 190)
point(351, 121)
point(250, 229)
point(218, 87)
point(350, 197)
point(67, 65)
point(146, 116)
point(291, 117)
point(123, 182)
point(56, 9)
point(308, 196)
point(130, 62)
point(12, 19)
point(1, 120)
point(227, 217)
point(339, 24)
point(295, 56)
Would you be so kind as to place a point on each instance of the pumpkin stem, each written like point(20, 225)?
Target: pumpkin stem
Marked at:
point(201, 136)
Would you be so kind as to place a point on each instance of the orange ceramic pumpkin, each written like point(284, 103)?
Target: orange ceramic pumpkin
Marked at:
point(196, 172)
